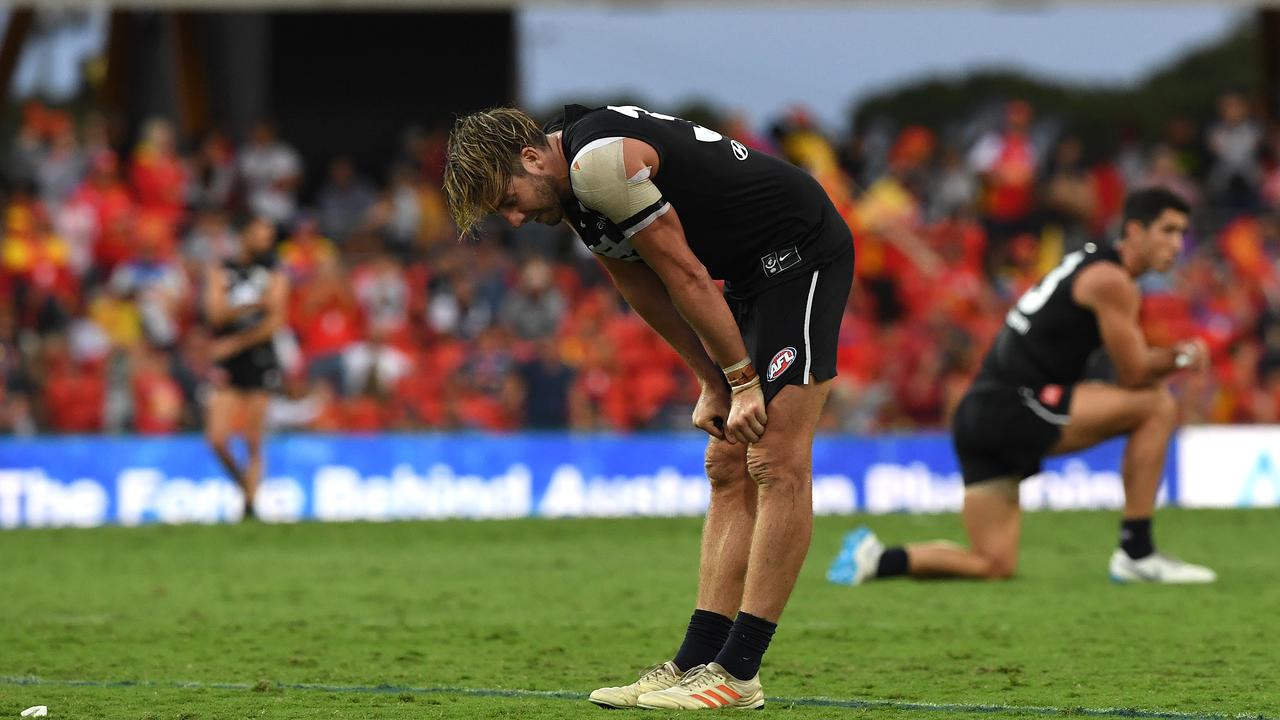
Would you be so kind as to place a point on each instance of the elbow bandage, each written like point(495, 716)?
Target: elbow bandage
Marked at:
point(599, 178)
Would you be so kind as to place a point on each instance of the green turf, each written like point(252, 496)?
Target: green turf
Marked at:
point(253, 612)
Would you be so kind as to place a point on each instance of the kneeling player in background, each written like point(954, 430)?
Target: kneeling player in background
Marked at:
point(1030, 401)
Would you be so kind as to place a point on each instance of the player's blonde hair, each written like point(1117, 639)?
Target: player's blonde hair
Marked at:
point(484, 154)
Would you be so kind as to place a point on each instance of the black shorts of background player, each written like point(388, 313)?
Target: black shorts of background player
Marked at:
point(1030, 401)
point(244, 304)
point(669, 207)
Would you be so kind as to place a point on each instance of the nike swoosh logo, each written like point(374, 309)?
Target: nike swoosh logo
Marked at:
point(782, 258)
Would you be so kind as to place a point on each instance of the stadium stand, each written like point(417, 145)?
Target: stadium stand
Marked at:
point(396, 325)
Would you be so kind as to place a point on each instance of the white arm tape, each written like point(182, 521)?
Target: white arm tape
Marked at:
point(598, 175)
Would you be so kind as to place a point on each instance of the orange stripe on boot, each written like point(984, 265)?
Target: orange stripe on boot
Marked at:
point(706, 702)
point(729, 691)
point(717, 696)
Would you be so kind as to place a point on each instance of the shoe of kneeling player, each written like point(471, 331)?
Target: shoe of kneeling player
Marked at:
point(1158, 568)
point(656, 677)
point(858, 559)
point(707, 687)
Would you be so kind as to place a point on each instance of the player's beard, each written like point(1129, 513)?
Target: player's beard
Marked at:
point(552, 212)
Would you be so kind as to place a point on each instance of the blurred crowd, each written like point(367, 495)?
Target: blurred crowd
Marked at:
point(394, 324)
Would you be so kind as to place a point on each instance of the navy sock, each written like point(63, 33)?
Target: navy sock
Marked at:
point(745, 647)
point(1135, 538)
point(702, 641)
point(893, 562)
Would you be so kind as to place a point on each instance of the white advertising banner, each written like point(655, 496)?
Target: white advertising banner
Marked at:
point(1229, 466)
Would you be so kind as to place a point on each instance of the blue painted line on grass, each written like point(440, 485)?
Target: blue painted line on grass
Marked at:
point(564, 695)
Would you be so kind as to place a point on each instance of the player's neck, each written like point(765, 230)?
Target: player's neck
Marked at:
point(560, 167)
point(1131, 260)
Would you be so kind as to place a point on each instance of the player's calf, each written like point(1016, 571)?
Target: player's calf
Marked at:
point(992, 520)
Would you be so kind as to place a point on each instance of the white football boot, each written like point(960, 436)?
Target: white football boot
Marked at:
point(707, 687)
point(1157, 568)
point(658, 677)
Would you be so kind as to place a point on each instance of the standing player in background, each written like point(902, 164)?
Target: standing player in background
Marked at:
point(244, 305)
point(668, 207)
point(1031, 400)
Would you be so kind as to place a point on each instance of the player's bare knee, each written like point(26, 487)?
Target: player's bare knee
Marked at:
point(1001, 567)
point(1156, 406)
point(1164, 406)
point(771, 468)
point(725, 466)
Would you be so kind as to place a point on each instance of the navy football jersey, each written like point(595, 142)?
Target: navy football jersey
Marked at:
point(246, 285)
point(1047, 338)
point(753, 220)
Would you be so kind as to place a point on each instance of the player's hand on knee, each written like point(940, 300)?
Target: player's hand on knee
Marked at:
point(747, 416)
point(711, 410)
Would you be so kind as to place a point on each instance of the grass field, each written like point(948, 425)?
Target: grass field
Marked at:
point(415, 620)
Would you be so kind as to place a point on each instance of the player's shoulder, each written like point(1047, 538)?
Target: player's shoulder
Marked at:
point(582, 125)
point(1104, 281)
point(1103, 261)
point(598, 143)
point(576, 120)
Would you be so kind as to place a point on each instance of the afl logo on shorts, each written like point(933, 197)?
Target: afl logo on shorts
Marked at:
point(780, 363)
point(739, 150)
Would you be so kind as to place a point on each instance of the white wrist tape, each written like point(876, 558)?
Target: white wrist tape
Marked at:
point(754, 382)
